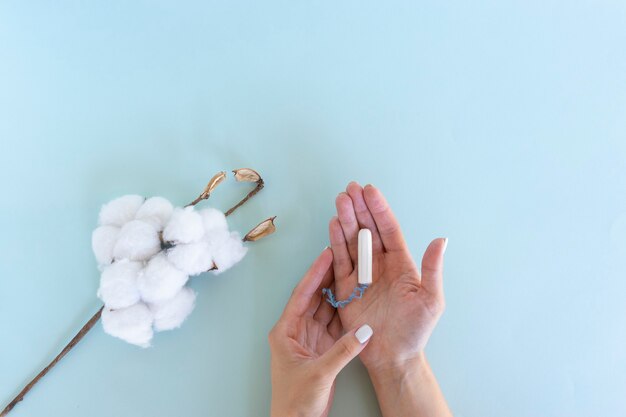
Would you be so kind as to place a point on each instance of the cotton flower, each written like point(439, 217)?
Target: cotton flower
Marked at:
point(160, 280)
point(102, 242)
point(229, 252)
point(185, 226)
point(147, 250)
point(137, 241)
point(170, 314)
point(118, 284)
point(213, 221)
point(120, 211)
point(132, 324)
point(156, 210)
point(192, 258)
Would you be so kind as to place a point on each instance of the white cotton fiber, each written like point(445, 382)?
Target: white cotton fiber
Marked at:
point(137, 241)
point(213, 220)
point(192, 258)
point(170, 314)
point(120, 211)
point(102, 242)
point(156, 210)
point(160, 280)
point(229, 252)
point(132, 324)
point(185, 226)
point(118, 284)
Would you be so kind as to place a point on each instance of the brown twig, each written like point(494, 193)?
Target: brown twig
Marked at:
point(81, 333)
point(259, 186)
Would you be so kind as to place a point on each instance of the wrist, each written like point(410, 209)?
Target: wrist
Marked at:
point(398, 369)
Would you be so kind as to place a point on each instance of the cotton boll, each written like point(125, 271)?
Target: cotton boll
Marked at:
point(229, 252)
point(137, 241)
point(192, 258)
point(120, 211)
point(160, 280)
point(170, 314)
point(185, 226)
point(132, 324)
point(102, 242)
point(213, 220)
point(157, 210)
point(118, 284)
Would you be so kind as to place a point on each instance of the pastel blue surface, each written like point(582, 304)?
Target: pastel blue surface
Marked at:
point(501, 125)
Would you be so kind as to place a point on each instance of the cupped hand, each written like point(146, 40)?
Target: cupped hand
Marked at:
point(309, 348)
point(403, 303)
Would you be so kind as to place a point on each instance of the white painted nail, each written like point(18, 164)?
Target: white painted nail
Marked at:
point(445, 244)
point(364, 333)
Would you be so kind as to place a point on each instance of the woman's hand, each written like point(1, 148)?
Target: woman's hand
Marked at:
point(307, 346)
point(402, 304)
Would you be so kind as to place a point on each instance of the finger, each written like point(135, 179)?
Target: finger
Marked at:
point(318, 298)
point(386, 222)
point(349, 223)
point(342, 262)
point(432, 266)
point(363, 215)
point(345, 349)
point(301, 297)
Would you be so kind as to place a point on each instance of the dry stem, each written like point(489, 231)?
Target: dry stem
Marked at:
point(259, 186)
point(81, 333)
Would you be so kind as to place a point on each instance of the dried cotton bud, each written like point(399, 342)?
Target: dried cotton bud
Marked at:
point(213, 183)
point(265, 228)
point(246, 175)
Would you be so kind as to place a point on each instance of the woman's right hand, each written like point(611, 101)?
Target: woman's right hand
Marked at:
point(403, 303)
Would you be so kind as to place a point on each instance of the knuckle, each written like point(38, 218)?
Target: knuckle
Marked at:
point(347, 349)
point(436, 305)
point(294, 292)
point(271, 335)
point(440, 305)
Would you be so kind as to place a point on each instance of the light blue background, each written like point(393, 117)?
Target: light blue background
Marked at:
point(501, 125)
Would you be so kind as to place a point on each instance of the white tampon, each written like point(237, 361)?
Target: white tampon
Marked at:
point(365, 257)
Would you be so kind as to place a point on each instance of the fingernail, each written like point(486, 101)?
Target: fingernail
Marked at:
point(325, 247)
point(364, 333)
point(445, 244)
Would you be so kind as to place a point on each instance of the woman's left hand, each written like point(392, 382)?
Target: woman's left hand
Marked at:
point(307, 346)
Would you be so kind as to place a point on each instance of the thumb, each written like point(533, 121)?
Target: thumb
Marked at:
point(432, 266)
point(346, 349)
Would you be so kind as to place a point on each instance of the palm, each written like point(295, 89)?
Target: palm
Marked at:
point(311, 339)
point(386, 305)
point(401, 307)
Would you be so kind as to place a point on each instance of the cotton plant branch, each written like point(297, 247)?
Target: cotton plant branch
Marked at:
point(246, 175)
point(261, 230)
point(83, 331)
